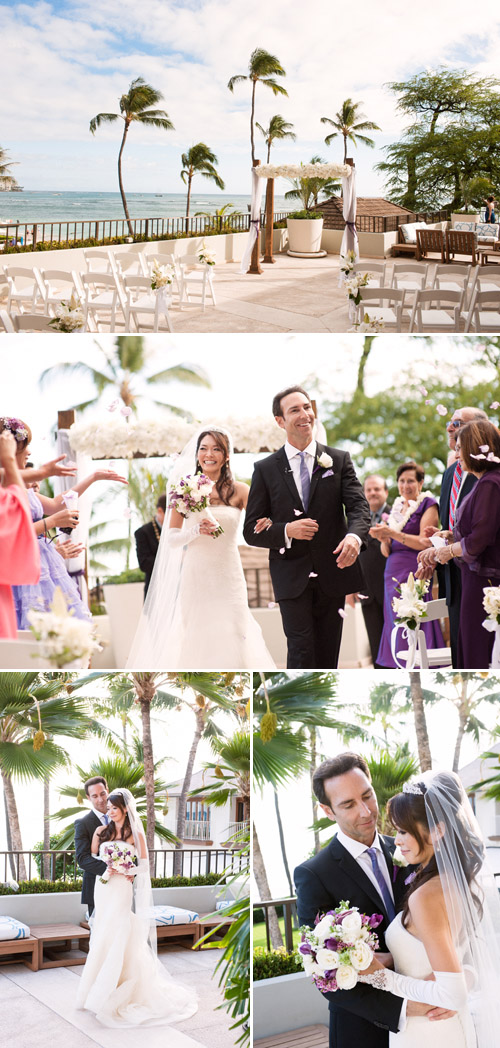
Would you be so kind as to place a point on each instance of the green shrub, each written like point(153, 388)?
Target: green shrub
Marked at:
point(267, 964)
point(185, 882)
point(64, 245)
point(41, 887)
point(305, 214)
point(55, 840)
point(131, 575)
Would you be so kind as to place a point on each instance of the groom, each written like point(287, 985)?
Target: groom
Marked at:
point(356, 866)
point(308, 490)
point(97, 793)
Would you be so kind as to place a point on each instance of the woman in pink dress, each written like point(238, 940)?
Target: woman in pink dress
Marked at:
point(19, 555)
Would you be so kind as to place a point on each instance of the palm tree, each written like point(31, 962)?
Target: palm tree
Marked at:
point(389, 772)
point(33, 710)
point(348, 122)
point(220, 218)
point(135, 106)
point(278, 129)
point(467, 691)
point(6, 179)
point(199, 160)
point(262, 68)
point(309, 190)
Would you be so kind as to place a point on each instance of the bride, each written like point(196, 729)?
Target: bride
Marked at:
point(196, 613)
point(445, 944)
point(123, 982)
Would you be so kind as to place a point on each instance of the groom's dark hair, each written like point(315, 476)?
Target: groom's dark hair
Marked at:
point(334, 766)
point(94, 782)
point(284, 393)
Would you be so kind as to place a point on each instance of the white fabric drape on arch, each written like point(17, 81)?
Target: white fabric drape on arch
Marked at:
point(76, 565)
point(350, 237)
point(253, 233)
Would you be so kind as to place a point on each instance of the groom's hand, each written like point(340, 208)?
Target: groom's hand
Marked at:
point(348, 549)
point(302, 529)
point(414, 1008)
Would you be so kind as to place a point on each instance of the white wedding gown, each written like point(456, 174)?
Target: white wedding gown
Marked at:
point(123, 983)
point(410, 958)
point(211, 625)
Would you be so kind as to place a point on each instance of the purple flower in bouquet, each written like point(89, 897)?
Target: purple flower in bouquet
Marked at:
point(340, 945)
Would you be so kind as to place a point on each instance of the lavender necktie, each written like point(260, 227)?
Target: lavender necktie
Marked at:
point(305, 479)
point(384, 891)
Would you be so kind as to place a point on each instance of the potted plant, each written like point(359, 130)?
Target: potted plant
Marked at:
point(305, 227)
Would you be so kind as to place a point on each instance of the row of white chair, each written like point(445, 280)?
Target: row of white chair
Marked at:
point(433, 309)
point(412, 276)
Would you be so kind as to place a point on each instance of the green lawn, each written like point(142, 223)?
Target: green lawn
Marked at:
point(259, 934)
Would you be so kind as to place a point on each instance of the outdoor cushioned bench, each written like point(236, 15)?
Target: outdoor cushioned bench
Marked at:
point(55, 944)
point(187, 933)
point(25, 950)
point(306, 1037)
point(205, 924)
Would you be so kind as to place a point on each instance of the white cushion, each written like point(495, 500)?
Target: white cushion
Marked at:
point(487, 230)
point(224, 903)
point(465, 227)
point(409, 231)
point(174, 915)
point(12, 929)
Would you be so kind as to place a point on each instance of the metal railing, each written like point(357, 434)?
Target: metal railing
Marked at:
point(289, 915)
point(30, 234)
point(194, 862)
point(197, 830)
point(384, 223)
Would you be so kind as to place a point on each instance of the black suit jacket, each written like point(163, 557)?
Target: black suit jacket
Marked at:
point(373, 563)
point(146, 545)
point(92, 868)
point(334, 495)
point(452, 577)
point(322, 883)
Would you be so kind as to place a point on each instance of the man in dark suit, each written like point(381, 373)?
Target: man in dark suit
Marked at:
point(373, 564)
point(147, 540)
point(307, 489)
point(97, 793)
point(356, 866)
point(456, 484)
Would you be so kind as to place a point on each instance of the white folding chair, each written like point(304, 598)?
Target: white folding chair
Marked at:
point(410, 276)
point(141, 300)
point(100, 293)
point(428, 658)
point(6, 322)
point(196, 278)
point(97, 260)
point(127, 263)
point(166, 258)
point(24, 286)
point(31, 322)
point(453, 278)
point(484, 312)
point(59, 286)
point(376, 270)
point(383, 304)
point(435, 310)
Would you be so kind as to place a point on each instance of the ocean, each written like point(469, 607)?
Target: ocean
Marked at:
point(30, 206)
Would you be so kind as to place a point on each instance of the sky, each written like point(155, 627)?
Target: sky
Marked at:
point(295, 796)
point(66, 61)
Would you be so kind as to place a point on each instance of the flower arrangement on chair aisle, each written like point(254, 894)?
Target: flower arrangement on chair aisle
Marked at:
point(64, 639)
point(69, 316)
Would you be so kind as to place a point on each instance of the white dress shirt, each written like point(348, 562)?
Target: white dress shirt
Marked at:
point(293, 456)
point(102, 816)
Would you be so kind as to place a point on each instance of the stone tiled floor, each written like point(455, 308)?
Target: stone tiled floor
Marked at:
point(37, 1008)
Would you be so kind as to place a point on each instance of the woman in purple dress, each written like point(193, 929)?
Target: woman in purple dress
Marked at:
point(476, 539)
point(48, 513)
point(401, 538)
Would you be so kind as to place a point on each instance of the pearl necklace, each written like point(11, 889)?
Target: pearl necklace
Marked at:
point(398, 523)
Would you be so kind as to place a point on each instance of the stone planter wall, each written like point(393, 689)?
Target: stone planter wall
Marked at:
point(123, 605)
point(65, 907)
point(286, 1003)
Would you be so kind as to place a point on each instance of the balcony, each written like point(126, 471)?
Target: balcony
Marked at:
point(195, 830)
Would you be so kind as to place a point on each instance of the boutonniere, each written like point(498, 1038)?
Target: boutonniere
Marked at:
point(398, 859)
point(324, 460)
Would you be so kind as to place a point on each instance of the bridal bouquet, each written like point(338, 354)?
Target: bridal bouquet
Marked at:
point(339, 947)
point(120, 857)
point(410, 605)
point(161, 276)
point(192, 495)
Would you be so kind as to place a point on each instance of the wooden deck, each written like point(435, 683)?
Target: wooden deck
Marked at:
point(306, 1037)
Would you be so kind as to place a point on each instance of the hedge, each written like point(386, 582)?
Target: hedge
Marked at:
point(41, 887)
point(267, 964)
point(64, 245)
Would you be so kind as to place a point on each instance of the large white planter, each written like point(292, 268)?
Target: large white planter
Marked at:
point(460, 216)
point(304, 235)
point(123, 605)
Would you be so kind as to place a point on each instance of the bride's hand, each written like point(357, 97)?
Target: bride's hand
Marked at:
point(263, 524)
point(207, 527)
point(375, 965)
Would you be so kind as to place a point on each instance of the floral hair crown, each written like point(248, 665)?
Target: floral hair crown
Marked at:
point(16, 427)
point(415, 787)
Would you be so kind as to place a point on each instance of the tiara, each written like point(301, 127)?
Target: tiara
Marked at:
point(414, 787)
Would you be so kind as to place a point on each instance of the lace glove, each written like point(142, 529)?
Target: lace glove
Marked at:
point(448, 991)
point(177, 537)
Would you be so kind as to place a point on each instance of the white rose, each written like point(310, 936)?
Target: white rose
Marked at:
point(351, 926)
point(361, 956)
point(346, 977)
point(311, 967)
point(325, 460)
point(398, 857)
point(327, 959)
point(323, 929)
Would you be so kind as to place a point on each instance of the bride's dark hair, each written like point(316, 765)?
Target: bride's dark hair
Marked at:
point(407, 812)
point(109, 831)
point(225, 484)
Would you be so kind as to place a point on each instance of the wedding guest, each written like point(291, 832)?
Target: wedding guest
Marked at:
point(475, 540)
point(401, 538)
point(372, 563)
point(19, 556)
point(456, 484)
point(490, 209)
point(147, 540)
